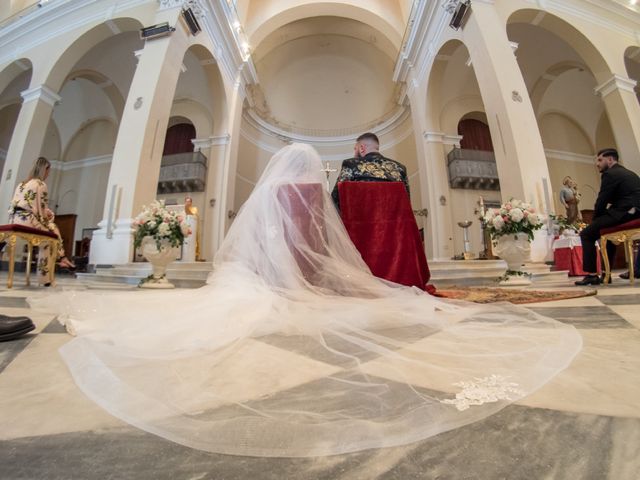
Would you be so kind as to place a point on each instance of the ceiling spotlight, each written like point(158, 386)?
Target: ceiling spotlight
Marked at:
point(155, 31)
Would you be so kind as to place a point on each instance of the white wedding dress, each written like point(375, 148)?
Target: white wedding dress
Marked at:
point(294, 349)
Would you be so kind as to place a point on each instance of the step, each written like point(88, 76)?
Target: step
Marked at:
point(443, 273)
point(486, 272)
point(181, 274)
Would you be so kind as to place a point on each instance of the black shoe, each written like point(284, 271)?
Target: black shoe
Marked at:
point(589, 280)
point(14, 327)
point(625, 275)
point(602, 279)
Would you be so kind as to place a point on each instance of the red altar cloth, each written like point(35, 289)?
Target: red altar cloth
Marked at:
point(569, 256)
point(380, 222)
point(303, 203)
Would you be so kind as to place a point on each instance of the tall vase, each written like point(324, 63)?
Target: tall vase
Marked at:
point(159, 258)
point(514, 249)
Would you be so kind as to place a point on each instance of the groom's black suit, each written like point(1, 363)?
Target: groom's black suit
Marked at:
point(618, 197)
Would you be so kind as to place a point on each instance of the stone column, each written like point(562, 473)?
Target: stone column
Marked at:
point(228, 166)
point(623, 110)
point(434, 188)
point(135, 168)
point(520, 157)
point(27, 139)
point(440, 217)
point(213, 218)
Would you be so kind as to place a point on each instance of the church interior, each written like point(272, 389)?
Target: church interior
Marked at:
point(505, 102)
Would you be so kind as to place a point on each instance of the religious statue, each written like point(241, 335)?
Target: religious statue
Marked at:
point(191, 210)
point(569, 197)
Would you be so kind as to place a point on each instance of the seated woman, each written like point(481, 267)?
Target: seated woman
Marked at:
point(30, 207)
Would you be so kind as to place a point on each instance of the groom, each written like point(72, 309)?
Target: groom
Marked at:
point(378, 215)
point(369, 165)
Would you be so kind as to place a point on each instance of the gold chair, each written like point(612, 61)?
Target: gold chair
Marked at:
point(625, 234)
point(34, 238)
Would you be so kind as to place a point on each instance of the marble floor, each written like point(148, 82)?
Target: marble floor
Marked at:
point(584, 424)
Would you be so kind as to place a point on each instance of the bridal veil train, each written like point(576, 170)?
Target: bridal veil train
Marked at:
point(294, 349)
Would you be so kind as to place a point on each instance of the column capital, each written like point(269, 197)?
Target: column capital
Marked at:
point(443, 138)
point(168, 4)
point(194, 5)
point(616, 82)
point(43, 93)
point(202, 143)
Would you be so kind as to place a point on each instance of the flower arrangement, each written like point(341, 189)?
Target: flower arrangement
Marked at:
point(161, 224)
point(513, 217)
point(563, 224)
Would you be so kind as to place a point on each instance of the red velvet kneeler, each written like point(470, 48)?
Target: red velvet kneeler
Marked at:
point(380, 222)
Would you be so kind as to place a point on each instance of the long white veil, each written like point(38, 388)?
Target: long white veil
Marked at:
point(294, 349)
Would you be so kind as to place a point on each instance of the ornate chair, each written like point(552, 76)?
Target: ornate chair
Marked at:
point(34, 238)
point(625, 234)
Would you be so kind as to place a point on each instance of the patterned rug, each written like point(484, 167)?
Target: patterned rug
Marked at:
point(493, 294)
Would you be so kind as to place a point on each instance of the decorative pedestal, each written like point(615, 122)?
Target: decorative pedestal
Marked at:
point(468, 255)
point(159, 259)
point(514, 249)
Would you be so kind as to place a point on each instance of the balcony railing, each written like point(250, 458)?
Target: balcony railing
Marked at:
point(183, 172)
point(472, 169)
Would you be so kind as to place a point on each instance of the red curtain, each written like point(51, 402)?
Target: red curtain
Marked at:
point(475, 135)
point(178, 139)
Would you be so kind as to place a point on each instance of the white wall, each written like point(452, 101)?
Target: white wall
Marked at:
point(326, 82)
point(82, 191)
point(82, 101)
point(114, 58)
point(586, 176)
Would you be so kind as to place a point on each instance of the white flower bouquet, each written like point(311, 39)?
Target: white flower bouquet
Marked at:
point(513, 217)
point(161, 224)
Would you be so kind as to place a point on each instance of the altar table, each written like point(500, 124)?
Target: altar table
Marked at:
point(567, 255)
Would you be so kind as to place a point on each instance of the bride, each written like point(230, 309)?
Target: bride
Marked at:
point(294, 349)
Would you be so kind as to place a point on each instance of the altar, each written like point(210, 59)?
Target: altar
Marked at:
point(567, 255)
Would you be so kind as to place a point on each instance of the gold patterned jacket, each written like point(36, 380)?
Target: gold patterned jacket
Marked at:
point(373, 167)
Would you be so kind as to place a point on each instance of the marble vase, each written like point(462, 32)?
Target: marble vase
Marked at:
point(159, 258)
point(515, 249)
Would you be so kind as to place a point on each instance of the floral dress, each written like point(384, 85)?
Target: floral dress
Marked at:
point(30, 207)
